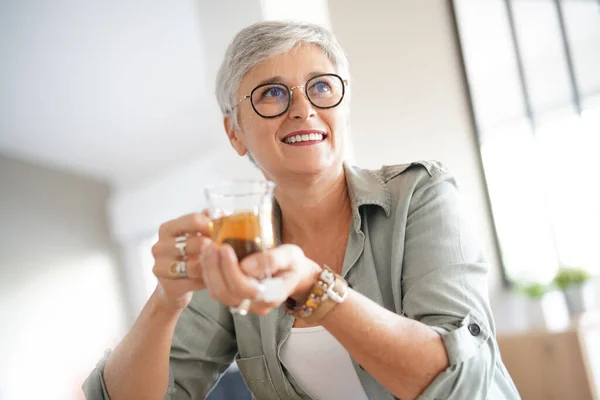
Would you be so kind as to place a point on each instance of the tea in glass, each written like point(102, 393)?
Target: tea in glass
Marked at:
point(241, 215)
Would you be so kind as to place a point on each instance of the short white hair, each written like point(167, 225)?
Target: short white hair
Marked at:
point(264, 40)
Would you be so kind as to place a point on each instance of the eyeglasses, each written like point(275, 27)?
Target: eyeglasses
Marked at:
point(271, 100)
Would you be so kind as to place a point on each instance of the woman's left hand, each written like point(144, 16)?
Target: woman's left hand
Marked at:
point(230, 282)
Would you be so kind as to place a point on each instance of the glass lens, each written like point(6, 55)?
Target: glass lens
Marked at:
point(325, 90)
point(271, 99)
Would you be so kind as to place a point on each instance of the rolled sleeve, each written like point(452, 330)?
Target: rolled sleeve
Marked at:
point(444, 282)
point(466, 340)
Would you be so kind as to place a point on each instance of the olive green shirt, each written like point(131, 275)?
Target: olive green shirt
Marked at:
point(409, 250)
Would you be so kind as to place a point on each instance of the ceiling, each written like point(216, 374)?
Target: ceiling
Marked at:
point(116, 90)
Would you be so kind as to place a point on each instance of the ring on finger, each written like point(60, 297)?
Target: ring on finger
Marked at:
point(178, 269)
point(242, 309)
point(181, 244)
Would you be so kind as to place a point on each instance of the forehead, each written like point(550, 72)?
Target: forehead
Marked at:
point(294, 66)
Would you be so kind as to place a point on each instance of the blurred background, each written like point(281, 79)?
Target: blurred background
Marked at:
point(109, 127)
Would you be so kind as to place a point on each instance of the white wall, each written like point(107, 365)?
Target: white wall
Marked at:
point(85, 82)
point(137, 210)
point(61, 302)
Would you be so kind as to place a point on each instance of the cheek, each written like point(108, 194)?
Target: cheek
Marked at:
point(336, 119)
point(255, 128)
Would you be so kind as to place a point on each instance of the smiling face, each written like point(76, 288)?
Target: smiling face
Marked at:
point(304, 140)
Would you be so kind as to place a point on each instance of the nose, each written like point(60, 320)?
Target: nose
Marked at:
point(300, 108)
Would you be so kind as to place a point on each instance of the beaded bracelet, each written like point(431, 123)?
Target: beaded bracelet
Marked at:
point(324, 290)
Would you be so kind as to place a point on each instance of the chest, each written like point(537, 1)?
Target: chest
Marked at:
point(321, 365)
point(324, 247)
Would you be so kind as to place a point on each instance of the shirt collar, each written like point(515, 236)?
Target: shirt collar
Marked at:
point(365, 187)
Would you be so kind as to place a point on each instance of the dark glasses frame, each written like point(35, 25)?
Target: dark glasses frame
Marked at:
point(289, 90)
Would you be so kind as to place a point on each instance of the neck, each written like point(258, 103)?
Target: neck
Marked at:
point(313, 205)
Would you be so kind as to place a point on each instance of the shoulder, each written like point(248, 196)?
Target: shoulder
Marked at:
point(394, 185)
point(415, 174)
point(420, 182)
point(425, 168)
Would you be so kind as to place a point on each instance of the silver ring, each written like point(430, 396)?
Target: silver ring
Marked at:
point(242, 309)
point(181, 244)
point(178, 269)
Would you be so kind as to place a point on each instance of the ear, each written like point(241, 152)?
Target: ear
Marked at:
point(234, 136)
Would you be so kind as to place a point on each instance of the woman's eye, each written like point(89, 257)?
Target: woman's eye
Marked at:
point(273, 92)
point(322, 87)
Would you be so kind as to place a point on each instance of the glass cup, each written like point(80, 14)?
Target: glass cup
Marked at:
point(241, 214)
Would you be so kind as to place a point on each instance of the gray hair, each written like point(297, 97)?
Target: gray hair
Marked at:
point(264, 40)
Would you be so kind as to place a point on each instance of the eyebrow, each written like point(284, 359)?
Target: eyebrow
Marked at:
point(279, 79)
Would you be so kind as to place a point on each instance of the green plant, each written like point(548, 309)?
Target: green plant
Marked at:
point(570, 276)
point(534, 291)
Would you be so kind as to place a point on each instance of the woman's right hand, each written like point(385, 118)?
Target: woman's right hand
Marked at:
point(172, 291)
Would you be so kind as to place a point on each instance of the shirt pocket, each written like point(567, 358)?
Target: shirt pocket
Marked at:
point(256, 375)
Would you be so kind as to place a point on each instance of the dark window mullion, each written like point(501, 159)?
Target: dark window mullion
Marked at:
point(567, 50)
point(520, 66)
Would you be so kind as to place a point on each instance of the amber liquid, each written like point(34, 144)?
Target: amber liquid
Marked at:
point(245, 232)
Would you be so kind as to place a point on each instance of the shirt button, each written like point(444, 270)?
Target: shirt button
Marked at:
point(474, 329)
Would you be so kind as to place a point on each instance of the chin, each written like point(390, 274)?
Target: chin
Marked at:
point(317, 164)
point(314, 167)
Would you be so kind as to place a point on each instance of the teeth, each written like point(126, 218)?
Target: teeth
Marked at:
point(304, 138)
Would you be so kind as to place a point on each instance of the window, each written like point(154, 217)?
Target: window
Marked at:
point(533, 72)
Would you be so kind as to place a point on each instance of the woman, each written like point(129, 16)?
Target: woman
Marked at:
point(407, 314)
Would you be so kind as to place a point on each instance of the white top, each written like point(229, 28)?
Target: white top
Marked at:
point(320, 365)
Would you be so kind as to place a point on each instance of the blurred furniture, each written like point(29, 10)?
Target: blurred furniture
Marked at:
point(556, 365)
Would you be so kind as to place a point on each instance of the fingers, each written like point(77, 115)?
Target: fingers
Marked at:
point(227, 283)
point(167, 255)
point(190, 224)
point(275, 260)
point(236, 281)
point(213, 278)
point(171, 263)
point(166, 247)
point(163, 267)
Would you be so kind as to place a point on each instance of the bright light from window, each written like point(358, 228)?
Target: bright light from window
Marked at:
point(545, 195)
point(518, 203)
